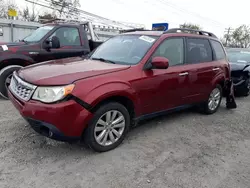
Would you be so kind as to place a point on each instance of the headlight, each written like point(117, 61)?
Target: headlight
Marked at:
point(52, 94)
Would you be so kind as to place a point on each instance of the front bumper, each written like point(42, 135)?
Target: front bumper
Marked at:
point(240, 84)
point(63, 121)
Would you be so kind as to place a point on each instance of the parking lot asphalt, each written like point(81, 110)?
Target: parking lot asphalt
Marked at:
point(183, 150)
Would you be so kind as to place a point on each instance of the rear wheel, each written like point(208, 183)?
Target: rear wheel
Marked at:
point(5, 78)
point(213, 102)
point(108, 127)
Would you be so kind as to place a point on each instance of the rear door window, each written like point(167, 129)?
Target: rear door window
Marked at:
point(198, 51)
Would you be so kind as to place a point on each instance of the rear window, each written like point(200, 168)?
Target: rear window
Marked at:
point(198, 51)
point(218, 49)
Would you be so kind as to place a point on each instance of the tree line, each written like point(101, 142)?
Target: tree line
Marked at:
point(234, 37)
point(59, 9)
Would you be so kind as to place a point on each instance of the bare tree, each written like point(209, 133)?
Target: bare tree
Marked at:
point(29, 15)
point(65, 8)
point(191, 26)
point(5, 5)
point(240, 37)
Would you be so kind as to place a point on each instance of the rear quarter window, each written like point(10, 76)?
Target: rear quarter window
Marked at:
point(218, 50)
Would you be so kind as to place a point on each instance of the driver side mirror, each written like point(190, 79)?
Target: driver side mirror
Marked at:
point(52, 43)
point(55, 42)
point(158, 63)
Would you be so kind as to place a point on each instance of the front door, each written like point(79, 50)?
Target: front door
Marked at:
point(162, 89)
point(70, 45)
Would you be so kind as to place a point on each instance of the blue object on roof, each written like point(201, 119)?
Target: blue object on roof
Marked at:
point(160, 26)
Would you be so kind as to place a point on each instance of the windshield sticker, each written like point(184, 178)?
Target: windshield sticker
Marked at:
point(147, 39)
point(5, 48)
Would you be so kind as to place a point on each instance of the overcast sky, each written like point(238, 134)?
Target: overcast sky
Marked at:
point(212, 15)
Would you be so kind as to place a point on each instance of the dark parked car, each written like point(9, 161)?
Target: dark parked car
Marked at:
point(239, 59)
point(128, 78)
point(51, 41)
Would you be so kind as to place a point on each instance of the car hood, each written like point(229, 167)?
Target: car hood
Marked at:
point(238, 66)
point(9, 44)
point(66, 71)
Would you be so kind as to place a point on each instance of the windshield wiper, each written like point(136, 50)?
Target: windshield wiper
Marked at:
point(104, 60)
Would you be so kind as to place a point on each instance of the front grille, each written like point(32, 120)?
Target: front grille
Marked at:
point(20, 88)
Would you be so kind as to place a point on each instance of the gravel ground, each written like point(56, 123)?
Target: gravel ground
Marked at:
point(183, 150)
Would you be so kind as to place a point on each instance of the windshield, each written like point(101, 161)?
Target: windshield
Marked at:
point(239, 56)
point(38, 34)
point(124, 49)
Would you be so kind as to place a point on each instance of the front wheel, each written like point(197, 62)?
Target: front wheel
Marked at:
point(213, 102)
point(5, 78)
point(108, 127)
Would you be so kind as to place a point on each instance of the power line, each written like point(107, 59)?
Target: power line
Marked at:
point(97, 17)
point(145, 11)
point(49, 7)
point(161, 4)
point(166, 2)
point(180, 11)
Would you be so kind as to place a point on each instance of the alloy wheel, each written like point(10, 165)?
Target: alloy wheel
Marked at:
point(214, 99)
point(109, 128)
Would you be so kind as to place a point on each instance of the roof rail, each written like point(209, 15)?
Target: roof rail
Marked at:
point(194, 31)
point(133, 30)
point(59, 20)
point(70, 21)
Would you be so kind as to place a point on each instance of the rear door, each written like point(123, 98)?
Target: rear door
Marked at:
point(201, 68)
point(220, 64)
point(70, 44)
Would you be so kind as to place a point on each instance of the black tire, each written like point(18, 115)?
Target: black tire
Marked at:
point(205, 109)
point(89, 133)
point(5, 74)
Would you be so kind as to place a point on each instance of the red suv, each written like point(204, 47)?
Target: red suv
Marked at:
point(130, 77)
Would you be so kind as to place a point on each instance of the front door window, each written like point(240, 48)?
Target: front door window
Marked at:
point(173, 50)
point(68, 36)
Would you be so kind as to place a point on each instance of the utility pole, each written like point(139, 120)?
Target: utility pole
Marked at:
point(228, 30)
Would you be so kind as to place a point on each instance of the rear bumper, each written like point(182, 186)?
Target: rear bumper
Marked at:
point(63, 121)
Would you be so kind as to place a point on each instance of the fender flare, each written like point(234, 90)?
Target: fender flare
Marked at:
point(8, 67)
point(3, 70)
point(112, 89)
point(218, 79)
point(17, 56)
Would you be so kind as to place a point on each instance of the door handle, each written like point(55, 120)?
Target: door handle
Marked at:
point(183, 74)
point(215, 69)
